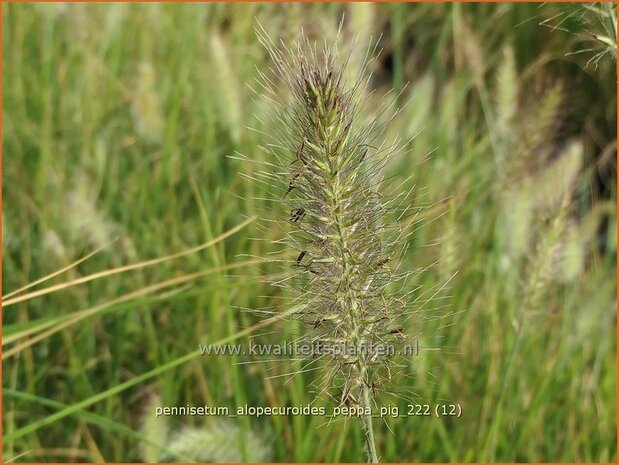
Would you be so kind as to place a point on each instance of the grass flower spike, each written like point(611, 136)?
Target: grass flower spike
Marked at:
point(327, 174)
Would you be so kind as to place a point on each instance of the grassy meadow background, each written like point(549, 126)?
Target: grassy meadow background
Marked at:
point(119, 121)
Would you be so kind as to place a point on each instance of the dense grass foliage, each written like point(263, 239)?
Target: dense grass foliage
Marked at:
point(121, 125)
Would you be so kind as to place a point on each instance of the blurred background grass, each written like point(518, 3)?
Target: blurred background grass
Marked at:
point(117, 123)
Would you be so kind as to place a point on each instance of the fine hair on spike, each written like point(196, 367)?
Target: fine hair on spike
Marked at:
point(344, 236)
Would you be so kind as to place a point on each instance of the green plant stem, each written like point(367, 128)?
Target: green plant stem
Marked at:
point(366, 422)
point(494, 426)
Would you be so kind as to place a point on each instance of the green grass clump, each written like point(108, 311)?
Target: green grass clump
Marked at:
point(120, 125)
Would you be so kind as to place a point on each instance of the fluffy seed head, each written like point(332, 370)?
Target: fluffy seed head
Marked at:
point(327, 172)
